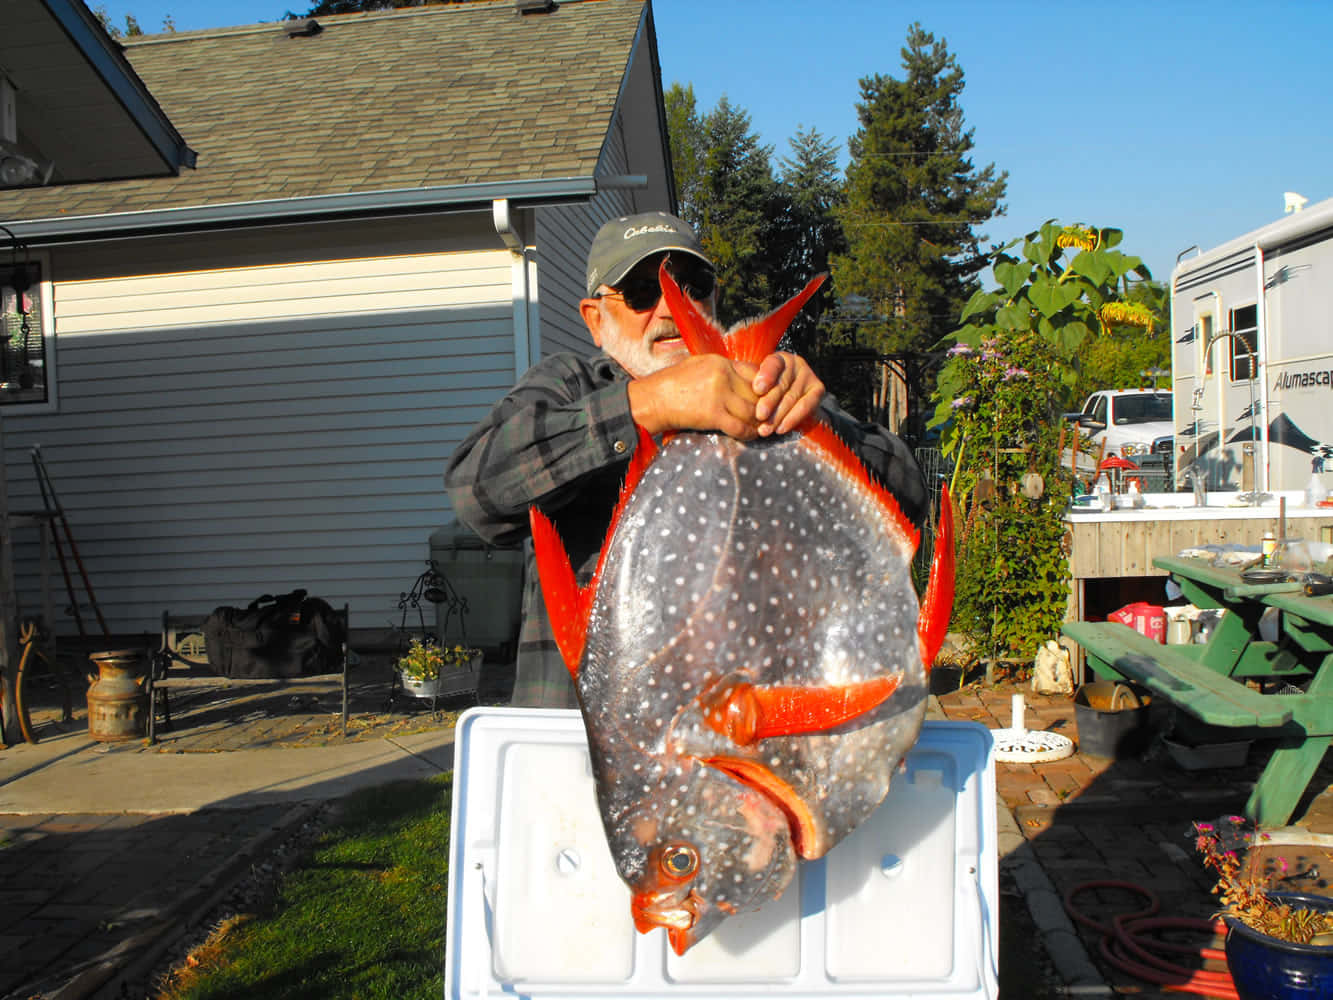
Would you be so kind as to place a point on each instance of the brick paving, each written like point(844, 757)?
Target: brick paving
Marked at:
point(89, 902)
point(83, 898)
point(1092, 819)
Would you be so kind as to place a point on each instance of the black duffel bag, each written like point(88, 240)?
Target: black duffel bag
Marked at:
point(286, 636)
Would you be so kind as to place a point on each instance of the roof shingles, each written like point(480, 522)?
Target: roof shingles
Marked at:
point(424, 97)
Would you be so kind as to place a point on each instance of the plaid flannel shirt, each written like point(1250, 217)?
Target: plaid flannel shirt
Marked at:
point(560, 440)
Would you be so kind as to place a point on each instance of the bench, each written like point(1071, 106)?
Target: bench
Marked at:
point(180, 662)
point(1175, 674)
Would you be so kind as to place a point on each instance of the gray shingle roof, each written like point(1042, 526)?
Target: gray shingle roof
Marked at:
point(397, 101)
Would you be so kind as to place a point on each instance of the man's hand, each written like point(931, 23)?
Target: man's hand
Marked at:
point(789, 391)
point(706, 392)
point(710, 393)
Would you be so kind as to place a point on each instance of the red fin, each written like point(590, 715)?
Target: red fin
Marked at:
point(567, 604)
point(824, 438)
point(699, 332)
point(755, 341)
point(752, 342)
point(746, 714)
point(804, 832)
point(937, 606)
point(644, 453)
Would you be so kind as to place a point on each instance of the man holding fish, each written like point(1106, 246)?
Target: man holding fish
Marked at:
point(562, 438)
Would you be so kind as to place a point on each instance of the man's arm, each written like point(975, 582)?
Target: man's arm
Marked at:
point(561, 424)
point(886, 455)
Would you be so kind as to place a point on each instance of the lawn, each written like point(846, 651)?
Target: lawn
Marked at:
point(362, 918)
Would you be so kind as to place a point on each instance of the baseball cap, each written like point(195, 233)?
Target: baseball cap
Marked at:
point(623, 242)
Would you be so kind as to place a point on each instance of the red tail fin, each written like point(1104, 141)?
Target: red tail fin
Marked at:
point(699, 332)
point(937, 607)
point(755, 341)
point(751, 342)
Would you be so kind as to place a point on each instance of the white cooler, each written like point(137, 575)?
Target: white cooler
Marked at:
point(907, 906)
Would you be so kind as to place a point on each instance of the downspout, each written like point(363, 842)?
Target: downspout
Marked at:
point(1260, 363)
point(523, 283)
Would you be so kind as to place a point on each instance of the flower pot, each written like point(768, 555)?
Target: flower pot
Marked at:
point(1112, 719)
point(453, 680)
point(1268, 968)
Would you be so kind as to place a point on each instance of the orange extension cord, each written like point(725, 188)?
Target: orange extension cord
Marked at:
point(1127, 945)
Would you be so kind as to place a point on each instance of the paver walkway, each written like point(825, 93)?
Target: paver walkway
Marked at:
point(87, 897)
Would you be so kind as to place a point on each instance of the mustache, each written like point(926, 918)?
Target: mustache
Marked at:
point(662, 330)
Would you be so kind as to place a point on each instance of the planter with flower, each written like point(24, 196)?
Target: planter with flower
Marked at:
point(1279, 943)
point(429, 670)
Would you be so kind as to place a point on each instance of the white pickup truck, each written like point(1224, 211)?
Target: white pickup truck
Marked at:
point(1133, 423)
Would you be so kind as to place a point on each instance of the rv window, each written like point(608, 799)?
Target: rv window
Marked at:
point(1245, 326)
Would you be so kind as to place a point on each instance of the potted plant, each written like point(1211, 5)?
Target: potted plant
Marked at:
point(1279, 944)
point(429, 670)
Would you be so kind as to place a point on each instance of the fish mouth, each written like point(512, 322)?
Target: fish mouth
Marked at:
point(667, 909)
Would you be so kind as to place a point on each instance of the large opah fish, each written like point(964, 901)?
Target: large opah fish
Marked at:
point(749, 656)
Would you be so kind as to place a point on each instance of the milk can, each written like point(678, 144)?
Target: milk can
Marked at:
point(117, 701)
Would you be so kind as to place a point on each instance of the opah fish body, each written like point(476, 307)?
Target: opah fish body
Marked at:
point(748, 657)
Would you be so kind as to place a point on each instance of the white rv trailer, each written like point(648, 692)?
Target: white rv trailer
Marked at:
point(1252, 357)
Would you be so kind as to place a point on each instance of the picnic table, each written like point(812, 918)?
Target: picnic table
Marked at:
point(1211, 681)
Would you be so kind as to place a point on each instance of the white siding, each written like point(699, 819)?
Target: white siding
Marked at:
point(232, 431)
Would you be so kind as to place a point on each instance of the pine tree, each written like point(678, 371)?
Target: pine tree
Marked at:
point(811, 189)
point(726, 190)
point(913, 202)
point(685, 136)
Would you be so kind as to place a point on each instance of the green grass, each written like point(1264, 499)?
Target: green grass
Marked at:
point(362, 918)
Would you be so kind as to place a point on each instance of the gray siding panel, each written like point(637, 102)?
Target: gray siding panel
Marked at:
point(231, 432)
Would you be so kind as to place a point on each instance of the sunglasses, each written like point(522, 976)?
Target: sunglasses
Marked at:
point(641, 293)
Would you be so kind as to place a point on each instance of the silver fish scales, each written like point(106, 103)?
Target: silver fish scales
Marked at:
point(747, 661)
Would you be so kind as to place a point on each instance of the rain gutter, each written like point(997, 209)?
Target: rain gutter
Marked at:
point(235, 215)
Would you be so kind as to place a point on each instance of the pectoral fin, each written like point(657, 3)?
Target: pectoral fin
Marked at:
point(746, 713)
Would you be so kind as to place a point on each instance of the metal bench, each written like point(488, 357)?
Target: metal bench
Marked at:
point(173, 665)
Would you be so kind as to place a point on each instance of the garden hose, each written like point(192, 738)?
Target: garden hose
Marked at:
point(1127, 945)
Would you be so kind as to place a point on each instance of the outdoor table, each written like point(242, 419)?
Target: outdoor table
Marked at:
point(1302, 651)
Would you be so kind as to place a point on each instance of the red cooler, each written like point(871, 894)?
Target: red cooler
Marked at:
point(1148, 619)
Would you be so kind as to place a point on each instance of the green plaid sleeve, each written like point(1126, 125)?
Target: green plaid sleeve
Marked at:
point(565, 422)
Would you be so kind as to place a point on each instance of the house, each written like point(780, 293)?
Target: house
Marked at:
point(1252, 356)
point(250, 375)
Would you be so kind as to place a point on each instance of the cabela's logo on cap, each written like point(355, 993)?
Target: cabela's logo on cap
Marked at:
point(645, 230)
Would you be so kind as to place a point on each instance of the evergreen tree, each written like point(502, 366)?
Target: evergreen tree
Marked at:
point(685, 136)
point(913, 202)
point(726, 190)
point(811, 189)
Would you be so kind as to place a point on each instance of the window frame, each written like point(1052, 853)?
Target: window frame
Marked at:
point(45, 301)
point(1239, 361)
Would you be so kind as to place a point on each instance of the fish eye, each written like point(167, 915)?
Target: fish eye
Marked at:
point(679, 861)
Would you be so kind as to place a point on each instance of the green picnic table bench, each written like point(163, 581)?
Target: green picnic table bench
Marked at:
point(1175, 673)
point(1210, 681)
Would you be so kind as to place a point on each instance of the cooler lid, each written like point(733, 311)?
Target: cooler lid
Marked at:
point(907, 905)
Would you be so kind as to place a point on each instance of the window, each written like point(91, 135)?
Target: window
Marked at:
point(1245, 344)
point(26, 363)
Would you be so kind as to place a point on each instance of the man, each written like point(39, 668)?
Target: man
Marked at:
point(562, 437)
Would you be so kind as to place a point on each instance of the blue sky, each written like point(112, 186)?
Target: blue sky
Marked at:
point(1182, 122)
